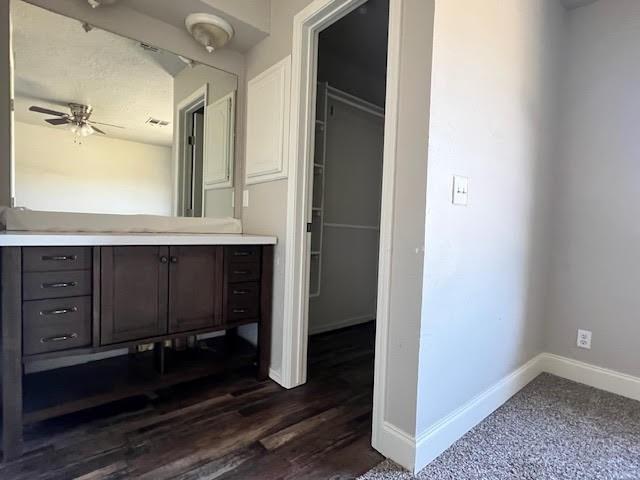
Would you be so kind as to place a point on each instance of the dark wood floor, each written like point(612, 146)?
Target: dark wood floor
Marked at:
point(225, 427)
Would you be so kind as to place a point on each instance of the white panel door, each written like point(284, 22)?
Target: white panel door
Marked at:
point(218, 143)
point(268, 97)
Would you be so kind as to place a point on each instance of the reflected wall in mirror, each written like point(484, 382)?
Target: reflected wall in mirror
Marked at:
point(106, 124)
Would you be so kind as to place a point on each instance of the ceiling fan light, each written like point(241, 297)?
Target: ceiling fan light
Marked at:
point(86, 130)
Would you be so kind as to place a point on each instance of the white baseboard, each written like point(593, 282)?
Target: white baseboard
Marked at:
point(440, 436)
point(347, 322)
point(430, 444)
point(396, 444)
point(592, 375)
point(276, 377)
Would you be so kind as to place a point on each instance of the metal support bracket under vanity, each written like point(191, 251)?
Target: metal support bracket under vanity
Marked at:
point(62, 301)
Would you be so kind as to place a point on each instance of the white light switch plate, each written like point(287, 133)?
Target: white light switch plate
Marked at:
point(584, 339)
point(245, 198)
point(460, 190)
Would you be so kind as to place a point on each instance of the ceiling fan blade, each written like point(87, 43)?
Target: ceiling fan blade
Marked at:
point(98, 130)
point(105, 124)
point(46, 111)
point(57, 121)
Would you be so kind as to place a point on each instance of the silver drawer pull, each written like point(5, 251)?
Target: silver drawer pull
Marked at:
point(59, 311)
point(241, 292)
point(239, 310)
point(60, 338)
point(60, 285)
point(241, 272)
point(59, 258)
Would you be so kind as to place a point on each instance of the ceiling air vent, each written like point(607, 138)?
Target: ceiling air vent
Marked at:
point(150, 48)
point(154, 122)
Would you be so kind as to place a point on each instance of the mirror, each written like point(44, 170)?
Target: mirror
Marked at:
point(106, 124)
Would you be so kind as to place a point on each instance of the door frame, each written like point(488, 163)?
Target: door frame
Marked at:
point(197, 99)
point(306, 27)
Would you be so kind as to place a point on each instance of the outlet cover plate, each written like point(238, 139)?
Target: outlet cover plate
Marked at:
point(584, 339)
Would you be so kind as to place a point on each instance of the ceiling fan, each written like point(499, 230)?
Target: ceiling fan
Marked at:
point(78, 119)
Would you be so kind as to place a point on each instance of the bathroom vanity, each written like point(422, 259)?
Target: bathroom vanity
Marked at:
point(68, 294)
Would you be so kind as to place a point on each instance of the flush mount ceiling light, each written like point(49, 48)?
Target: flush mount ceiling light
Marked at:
point(209, 30)
point(98, 3)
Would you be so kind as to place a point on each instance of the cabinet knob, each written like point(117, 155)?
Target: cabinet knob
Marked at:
point(163, 259)
point(174, 259)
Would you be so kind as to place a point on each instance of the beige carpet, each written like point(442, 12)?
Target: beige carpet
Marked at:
point(552, 429)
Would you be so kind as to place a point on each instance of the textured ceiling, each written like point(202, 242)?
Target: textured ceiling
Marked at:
point(57, 62)
point(576, 3)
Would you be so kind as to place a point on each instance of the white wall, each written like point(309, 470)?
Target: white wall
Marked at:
point(102, 175)
point(492, 112)
point(597, 234)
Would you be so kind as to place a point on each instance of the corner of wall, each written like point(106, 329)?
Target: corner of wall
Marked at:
point(6, 114)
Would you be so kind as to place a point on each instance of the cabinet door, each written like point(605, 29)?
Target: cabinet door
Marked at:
point(134, 283)
point(218, 143)
point(195, 288)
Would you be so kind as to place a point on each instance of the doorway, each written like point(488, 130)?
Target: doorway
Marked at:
point(191, 126)
point(192, 166)
point(306, 29)
point(345, 197)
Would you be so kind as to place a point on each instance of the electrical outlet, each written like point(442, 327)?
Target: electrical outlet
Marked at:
point(584, 339)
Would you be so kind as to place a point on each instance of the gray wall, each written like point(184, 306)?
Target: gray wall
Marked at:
point(219, 202)
point(267, 210)
point(351, 78)
point(6, 176)
point(495, 74)
point(407, 231)
point(596, 246)
point(352, 192)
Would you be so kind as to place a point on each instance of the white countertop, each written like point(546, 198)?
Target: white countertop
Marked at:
point(45, 239)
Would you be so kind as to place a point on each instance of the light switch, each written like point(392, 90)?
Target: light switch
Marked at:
point(460, 190)
point(245, 198)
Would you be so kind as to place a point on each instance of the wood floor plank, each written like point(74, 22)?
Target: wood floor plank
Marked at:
point(225, 427)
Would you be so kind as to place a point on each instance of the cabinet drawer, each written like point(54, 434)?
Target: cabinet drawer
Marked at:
point(243, 272)
point(50, 259)
point(243, 294)
point(36, 286)
point(242, 312)
point(58, 324)
point(243, 253)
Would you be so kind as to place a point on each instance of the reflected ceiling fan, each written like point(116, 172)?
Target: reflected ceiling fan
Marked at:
point(78, 120)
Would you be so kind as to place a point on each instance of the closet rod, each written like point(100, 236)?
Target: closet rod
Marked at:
point(347, 225)
point(354, 101)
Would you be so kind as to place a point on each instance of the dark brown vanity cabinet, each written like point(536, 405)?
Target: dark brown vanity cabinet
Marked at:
point(154, 291)
point(134, 284)
point(195, 288)
point(62, 301)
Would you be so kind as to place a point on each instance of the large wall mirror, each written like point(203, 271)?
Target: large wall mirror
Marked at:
point(106, 124)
